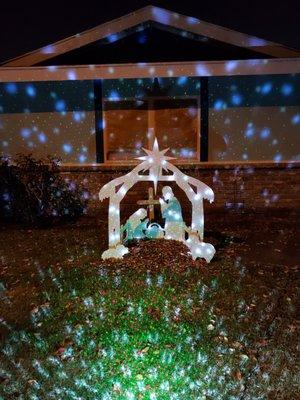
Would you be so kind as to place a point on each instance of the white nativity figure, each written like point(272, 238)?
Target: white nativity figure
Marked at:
point(171, 212)
point(155, 167)
point(136, 225)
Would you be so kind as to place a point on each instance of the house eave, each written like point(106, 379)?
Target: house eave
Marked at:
point(150, 70)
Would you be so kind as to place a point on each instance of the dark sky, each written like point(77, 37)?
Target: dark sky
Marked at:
point(27, 25)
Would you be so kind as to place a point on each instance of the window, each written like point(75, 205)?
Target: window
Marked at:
point(254, 118)
point(54, 118)
point(135, 111)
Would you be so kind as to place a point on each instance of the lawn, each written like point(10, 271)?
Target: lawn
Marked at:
point(156, 325)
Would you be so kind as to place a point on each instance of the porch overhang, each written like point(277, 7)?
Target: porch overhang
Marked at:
point(149, 70)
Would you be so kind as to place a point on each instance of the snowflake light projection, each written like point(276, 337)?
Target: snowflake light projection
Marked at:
point(155, 162)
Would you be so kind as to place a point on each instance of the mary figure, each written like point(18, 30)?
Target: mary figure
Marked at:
point(171, 212)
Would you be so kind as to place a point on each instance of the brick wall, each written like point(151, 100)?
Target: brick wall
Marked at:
point(254, 186)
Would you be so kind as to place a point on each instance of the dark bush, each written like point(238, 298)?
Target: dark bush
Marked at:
point(33, 192)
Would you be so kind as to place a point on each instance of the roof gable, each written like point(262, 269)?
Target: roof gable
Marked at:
point(152, 42)
point(189, 27)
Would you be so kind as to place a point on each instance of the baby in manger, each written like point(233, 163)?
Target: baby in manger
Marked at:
point(137, 226)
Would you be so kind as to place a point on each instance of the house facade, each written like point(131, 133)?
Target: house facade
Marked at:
point(226, 104)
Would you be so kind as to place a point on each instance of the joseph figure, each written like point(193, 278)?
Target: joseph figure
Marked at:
point(171, 212)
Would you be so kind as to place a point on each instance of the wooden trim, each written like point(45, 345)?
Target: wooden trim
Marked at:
point(98, 120)
point(150, 70)
point(199, 117)
point(204, 120)
point(185, 165)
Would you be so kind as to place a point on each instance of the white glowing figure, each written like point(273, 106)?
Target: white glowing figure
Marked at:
point(171, 212)
point(155, 162)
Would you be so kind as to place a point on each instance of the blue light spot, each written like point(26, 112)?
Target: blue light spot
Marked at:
point(82, 158)
point(230, 65)
point(256, 42)
point(52, 68)
point(142, 38)
point(296, 119)
point(71, 75)
point(265, 133)
point(86, 195)
point(67, 148)
point(278, 157)
point(112, 38)
point(182, 80)
point(266, 88)
point(114, 96)
point(11, 88)
point(236, 99)
point(42, 137)
point(286, 89)
point(184, 153)
point(192, 21)
point(48, 49)
point(192, 111)
point(25, 133)
point(101, 124)
point(72, 185)
point(219, 105)
point(202, 70)
point(6, 196)
point(249, 132)
point(30, 90)
point(226, 139)
point(161, 15)
point(77, 116)
point(60, 105)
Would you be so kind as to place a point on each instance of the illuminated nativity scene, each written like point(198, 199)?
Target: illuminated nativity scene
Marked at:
point(138, 227)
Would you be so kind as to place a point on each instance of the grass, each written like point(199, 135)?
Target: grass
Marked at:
point(156, 325)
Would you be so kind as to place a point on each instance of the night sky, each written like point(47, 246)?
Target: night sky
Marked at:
point(29, 25)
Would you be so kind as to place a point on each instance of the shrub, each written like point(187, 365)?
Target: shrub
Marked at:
point(33, 192)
